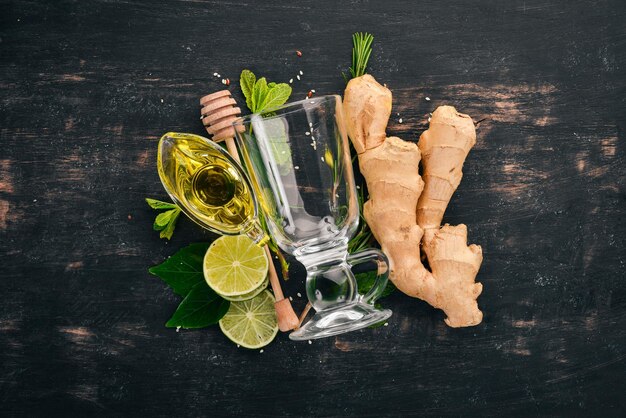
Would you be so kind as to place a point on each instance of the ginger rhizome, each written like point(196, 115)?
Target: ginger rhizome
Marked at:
point(402, 205)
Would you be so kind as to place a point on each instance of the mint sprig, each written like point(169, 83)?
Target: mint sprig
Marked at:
point(260, 95)
point(165, 221)
point(201, 306)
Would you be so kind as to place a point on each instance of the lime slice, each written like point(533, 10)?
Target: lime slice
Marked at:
point(251, 323)
point(248, 295)
point(235, 266)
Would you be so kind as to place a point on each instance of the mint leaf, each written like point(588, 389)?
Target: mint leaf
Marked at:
point(157, 204)
point(246, 81)
point(366, 280)
point(183, 270)
point(168, 231)
point(166, 221)
point(163, 219)
point(259, 94)
point(200, 308)
point(276, 96)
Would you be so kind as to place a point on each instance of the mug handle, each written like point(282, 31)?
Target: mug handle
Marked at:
point(378, 257)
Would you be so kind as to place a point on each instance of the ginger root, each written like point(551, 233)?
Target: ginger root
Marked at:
point(391, 169)
point(444, 147)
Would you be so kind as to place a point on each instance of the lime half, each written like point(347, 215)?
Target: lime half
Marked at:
point(234, 266)
point(251, 323)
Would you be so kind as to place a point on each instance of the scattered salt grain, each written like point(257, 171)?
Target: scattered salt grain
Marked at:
point(238, 346)
point(223, 81)
point(310, 124)
point(400, 120)
point(298, 77)
point(429, 119)
point(299, 294)
point(386, 324)
point(428, 99)
point(312, 90)
point(358, 187)
point(214, 74)
point(297, 167)
point(161, 100)
point(307, 133)
point(301, 73)
point(290, 80)
point(177, 329)
point(290, 298)
point(322, 159)
point(261, 351)
point(310, 342)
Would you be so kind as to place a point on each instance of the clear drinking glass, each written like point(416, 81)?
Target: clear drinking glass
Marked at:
point(298, 160)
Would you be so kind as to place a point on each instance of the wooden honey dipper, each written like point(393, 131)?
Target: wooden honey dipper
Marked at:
point(219, 111)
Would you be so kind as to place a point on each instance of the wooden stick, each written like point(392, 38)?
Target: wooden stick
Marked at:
point(303, 315)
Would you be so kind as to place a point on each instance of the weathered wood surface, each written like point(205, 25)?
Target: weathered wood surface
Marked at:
point(87, 87)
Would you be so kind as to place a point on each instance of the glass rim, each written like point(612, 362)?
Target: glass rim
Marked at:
point(284, 109)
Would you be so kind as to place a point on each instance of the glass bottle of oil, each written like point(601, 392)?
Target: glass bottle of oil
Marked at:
point(208, 185)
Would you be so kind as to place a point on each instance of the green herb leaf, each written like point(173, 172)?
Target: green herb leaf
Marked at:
point(183, 270)
point(166, 221)
point(200, 308)
point(276, 96)
point(162, 219)
point(157, 204)
point(365, 281)
point(361, 51)
point(168, 231)
point(246, 81)
point(262, 95)
point(259, 94)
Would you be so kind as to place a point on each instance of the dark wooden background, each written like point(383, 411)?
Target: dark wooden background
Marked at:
point(87, 88)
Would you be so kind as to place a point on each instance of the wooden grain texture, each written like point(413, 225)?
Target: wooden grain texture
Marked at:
point(86, 89)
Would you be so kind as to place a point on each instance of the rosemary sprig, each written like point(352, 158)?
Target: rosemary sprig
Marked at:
point(361, 50)
point(363, 237)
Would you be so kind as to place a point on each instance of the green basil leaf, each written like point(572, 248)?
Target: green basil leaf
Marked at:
point(276, 96)
point(200, 308)
point(168, 231)
point(183, 270)
point(246, 81)
point(157, 204)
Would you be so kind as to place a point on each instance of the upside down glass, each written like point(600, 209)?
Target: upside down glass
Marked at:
point(299, 164)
